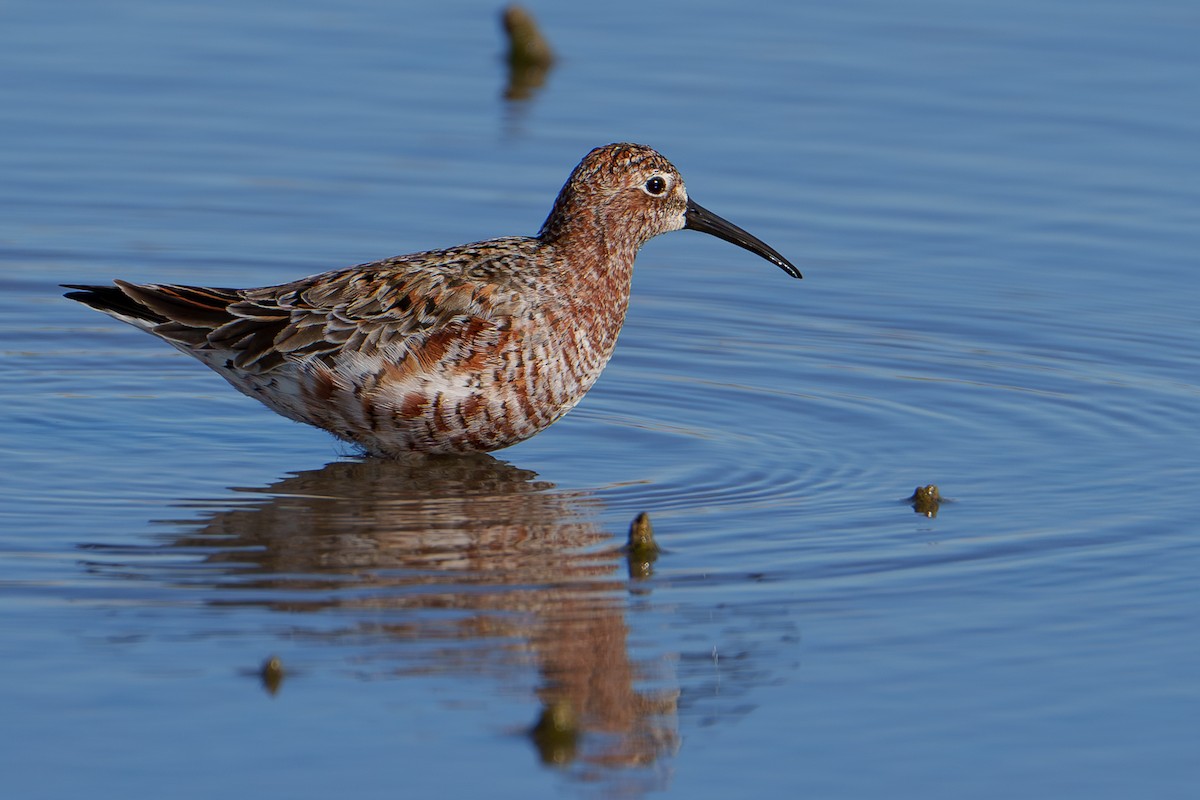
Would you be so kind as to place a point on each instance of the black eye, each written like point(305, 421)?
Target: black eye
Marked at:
point(656, 186)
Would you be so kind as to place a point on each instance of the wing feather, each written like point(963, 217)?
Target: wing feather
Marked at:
point(396, 304)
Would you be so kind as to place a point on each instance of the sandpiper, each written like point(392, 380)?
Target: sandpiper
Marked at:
point(471, 348)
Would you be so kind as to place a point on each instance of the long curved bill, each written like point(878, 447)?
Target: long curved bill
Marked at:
point(698, 218)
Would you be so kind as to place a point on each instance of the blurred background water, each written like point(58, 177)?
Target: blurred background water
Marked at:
point(995, 206)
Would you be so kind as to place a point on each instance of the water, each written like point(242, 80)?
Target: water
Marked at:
point(995, 208)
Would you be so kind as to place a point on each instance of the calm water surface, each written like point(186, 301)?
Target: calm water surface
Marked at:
point(995, 206)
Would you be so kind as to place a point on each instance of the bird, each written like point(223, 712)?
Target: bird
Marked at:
point(466, 349)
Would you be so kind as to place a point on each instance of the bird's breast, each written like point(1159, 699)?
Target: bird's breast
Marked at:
point(473, 385)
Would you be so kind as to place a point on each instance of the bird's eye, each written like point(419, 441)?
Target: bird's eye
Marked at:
point(656, 185)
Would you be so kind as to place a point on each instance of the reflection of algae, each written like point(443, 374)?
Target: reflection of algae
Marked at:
point(641, 551)
point(529, 55)
point(469, 565)
point(556, 732)
point(271, 673)
point(926, 500)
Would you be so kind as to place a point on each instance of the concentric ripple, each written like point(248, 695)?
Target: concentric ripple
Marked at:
point(856, 409)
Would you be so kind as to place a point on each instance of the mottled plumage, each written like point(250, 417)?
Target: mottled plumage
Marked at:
point(471, 348)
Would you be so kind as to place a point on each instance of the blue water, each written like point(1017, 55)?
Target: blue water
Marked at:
point(996, 207)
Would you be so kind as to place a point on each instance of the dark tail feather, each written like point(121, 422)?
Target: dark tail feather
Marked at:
point(111, 298)
point(193, 306)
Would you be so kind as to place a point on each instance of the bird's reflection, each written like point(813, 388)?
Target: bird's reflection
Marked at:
point(473, 564)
